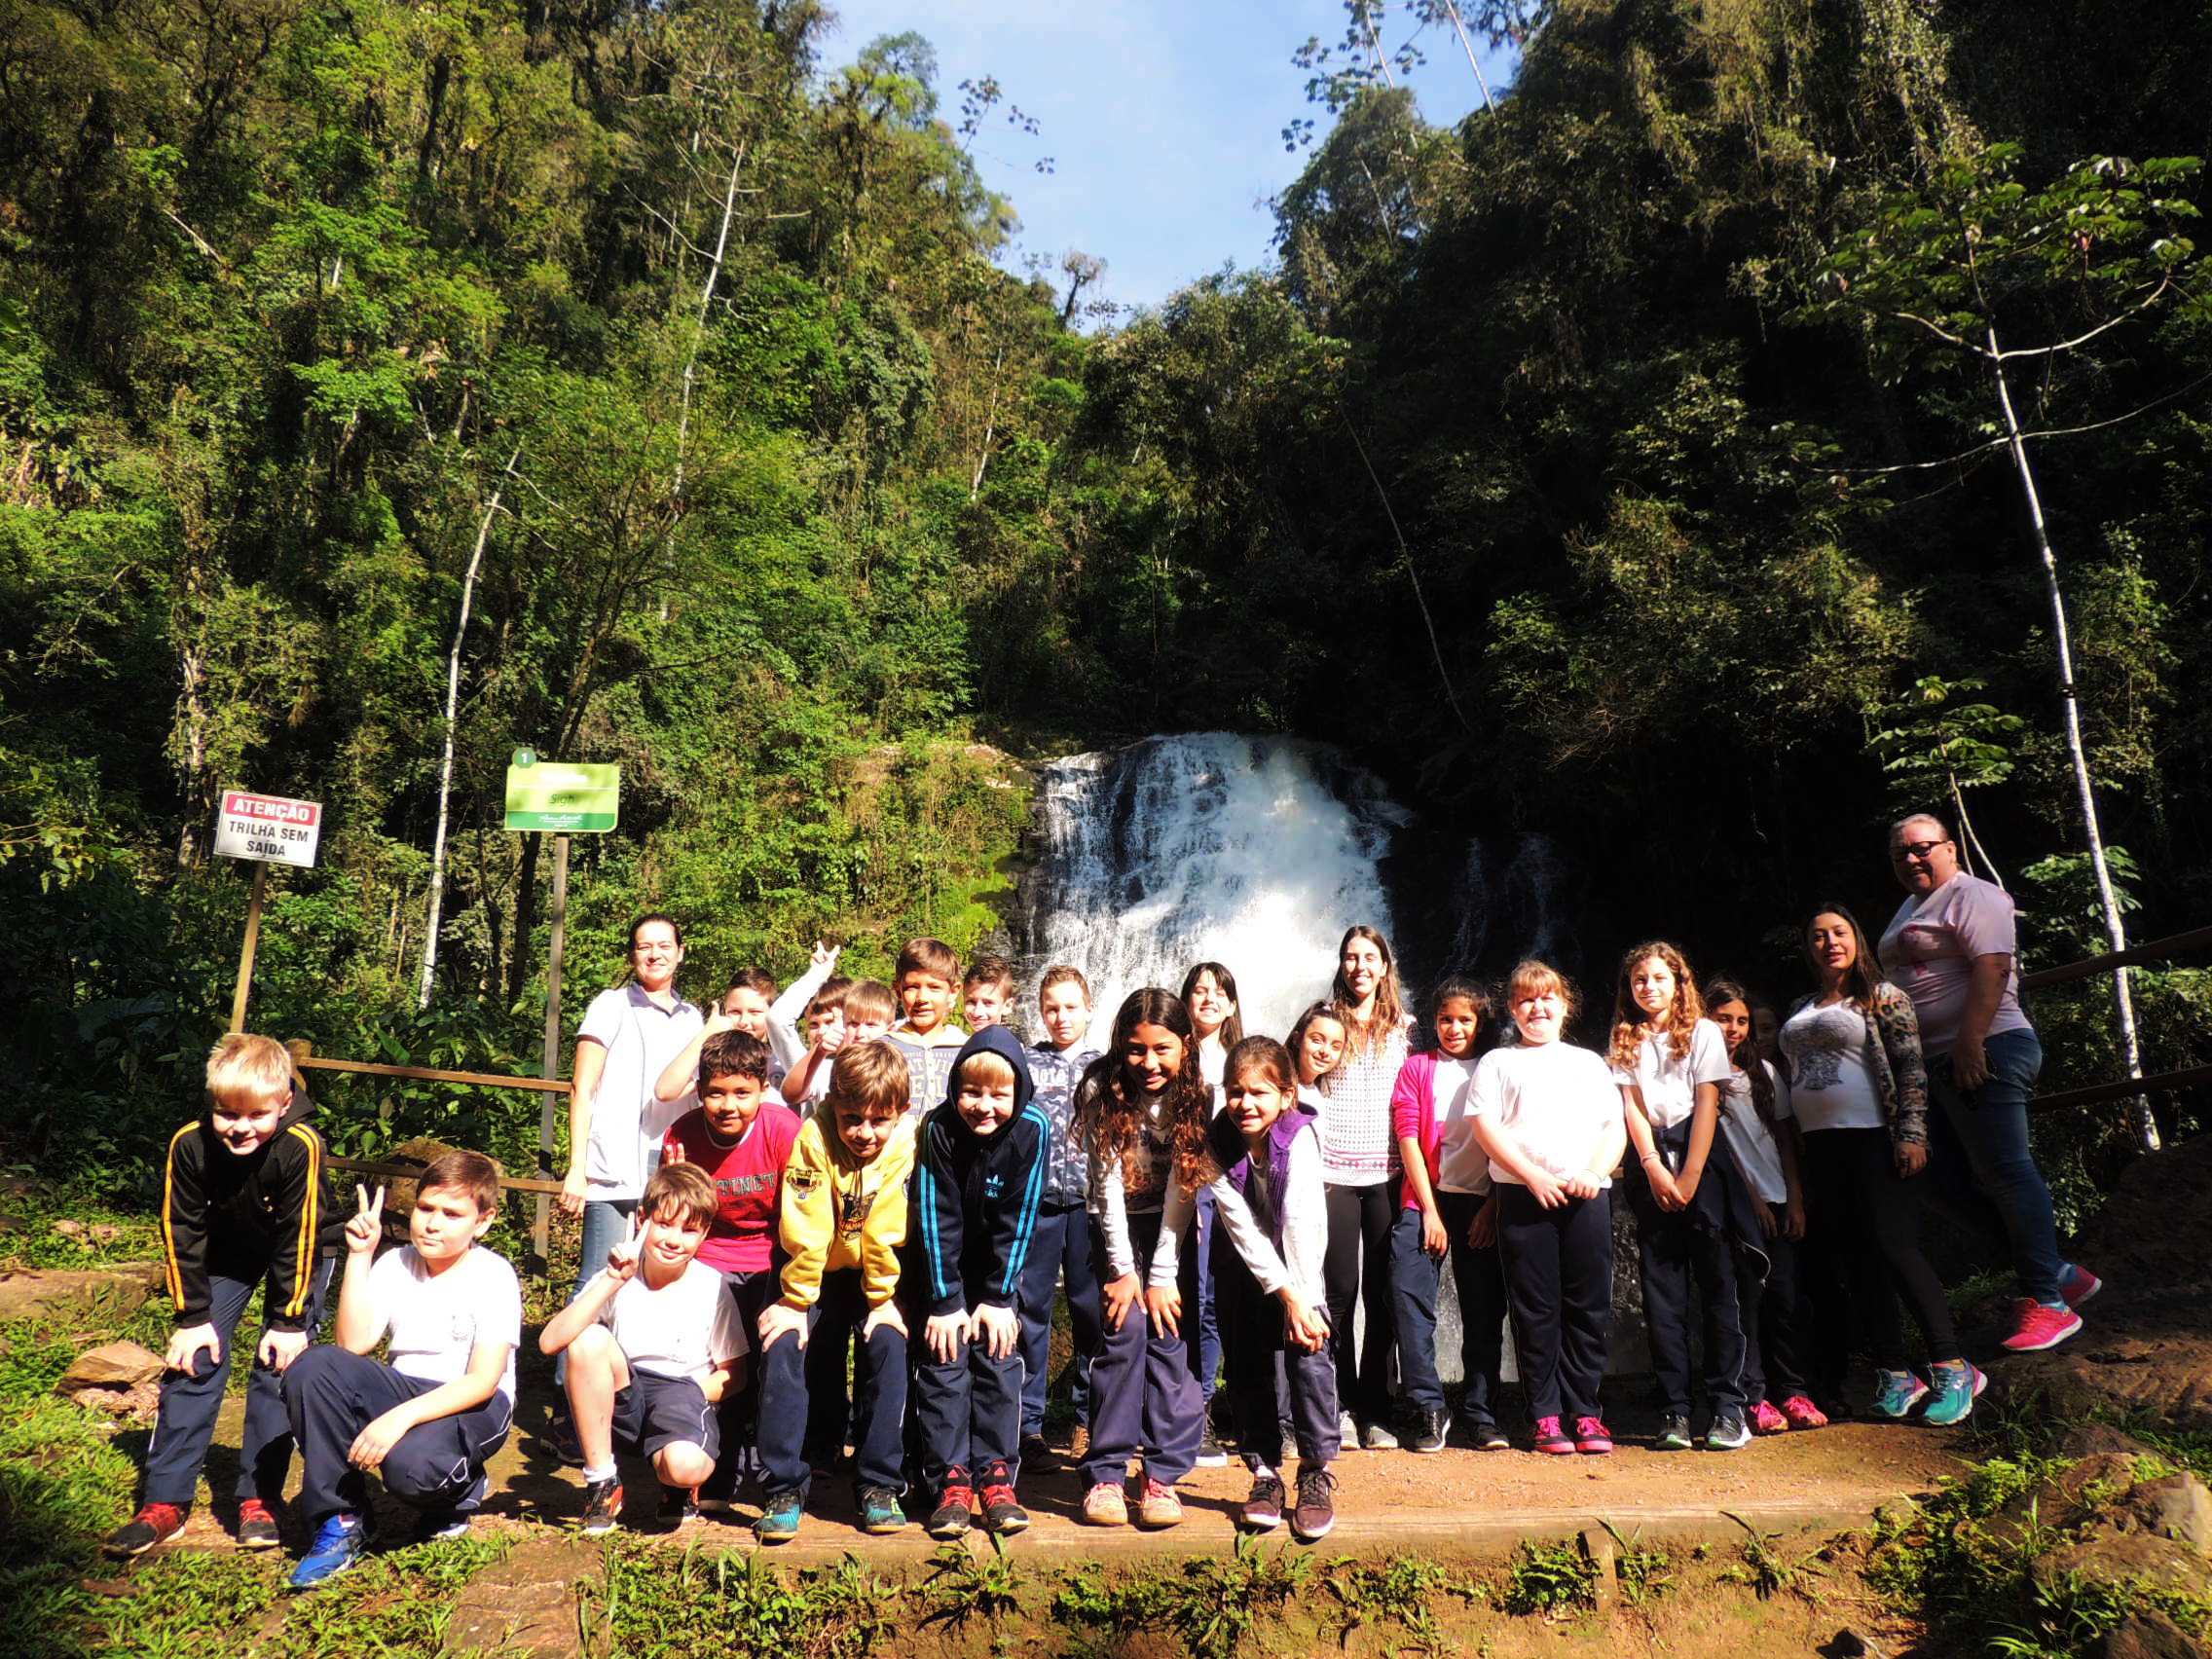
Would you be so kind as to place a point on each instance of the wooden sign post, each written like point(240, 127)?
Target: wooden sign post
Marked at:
point(264, 830)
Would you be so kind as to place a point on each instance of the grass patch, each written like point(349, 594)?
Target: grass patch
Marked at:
point(677, 1602)
point(1557, 1579)
point(1212, 1604)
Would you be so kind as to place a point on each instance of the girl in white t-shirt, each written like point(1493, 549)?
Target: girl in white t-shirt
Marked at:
point(1670, 1062)
point(1549, 1119)
point(1762, 1145)
point(1316, 1045)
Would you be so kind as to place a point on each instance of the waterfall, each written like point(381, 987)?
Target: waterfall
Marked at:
point(1255, 852)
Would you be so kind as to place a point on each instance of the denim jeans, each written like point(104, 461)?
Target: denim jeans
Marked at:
point(1983, 1132)
point(607, 1222)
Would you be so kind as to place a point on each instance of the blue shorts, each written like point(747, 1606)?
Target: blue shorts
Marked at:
point(656, 1411)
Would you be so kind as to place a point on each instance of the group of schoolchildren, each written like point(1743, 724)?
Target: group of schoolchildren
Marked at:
point(853, 1230)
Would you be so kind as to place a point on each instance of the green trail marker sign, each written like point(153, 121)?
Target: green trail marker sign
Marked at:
point(562, 799)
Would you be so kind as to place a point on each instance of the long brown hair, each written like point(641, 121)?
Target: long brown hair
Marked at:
point(1866, 977)
point(1631, 1028)
point(1231, 1030)
point(1361, 1035)
point(1745, 1056)
point(1109, 1100)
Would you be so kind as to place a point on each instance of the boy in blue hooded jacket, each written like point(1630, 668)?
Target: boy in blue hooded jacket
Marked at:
point(978, 1178)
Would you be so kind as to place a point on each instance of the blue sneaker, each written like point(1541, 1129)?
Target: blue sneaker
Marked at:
point(1897, 1393)
point(880, 1512)
point(779, 1522)
point(338, 1544)
point(1956, 1386)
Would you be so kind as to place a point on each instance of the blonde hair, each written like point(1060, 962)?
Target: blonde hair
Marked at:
point(244, 1067)
point(871, 1076)
point(1631, 1029)
point(869, 1002)
point(685, 1186)
point(983, 1067)
point(1534, 979)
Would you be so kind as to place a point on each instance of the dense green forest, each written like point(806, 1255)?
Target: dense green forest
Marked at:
point(644, 382)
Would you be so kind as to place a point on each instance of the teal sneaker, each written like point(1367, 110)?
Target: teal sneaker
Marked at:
point(1674, 1433)
point(1957, 1387)
point(338, 1544)
point(1897, 1393)
point(880, 1512)
point(779, 1522)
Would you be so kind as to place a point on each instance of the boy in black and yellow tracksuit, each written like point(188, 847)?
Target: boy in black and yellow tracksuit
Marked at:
point(245, 1205)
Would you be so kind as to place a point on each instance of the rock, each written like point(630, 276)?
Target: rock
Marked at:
point(105, 1232)
point(139, 1403)
point(68, 1229)
point(118, 1291)
point(528, 1602)
point(2150, 1636)
point(1598, 1546)
point(2087, 1438)
point(112, 1365)
point(2176, 1507)
point(2123, 1560)
point(13, 1224)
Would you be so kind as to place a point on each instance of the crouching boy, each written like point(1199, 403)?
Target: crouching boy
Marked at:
point(651, 1346)
point(842, 1221)
point(244, 1205)
point(979, 1175)
point(427, 1423)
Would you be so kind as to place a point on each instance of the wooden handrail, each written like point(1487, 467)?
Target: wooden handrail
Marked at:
point(2126, 1088)
point(2133, 956)
point(429, 1074)
point(412, 1171)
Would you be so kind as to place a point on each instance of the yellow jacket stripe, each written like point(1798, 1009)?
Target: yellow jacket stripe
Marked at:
point(168, 1224)
point(304, 1249)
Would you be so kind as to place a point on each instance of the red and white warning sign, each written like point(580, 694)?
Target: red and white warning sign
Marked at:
point(267, 829)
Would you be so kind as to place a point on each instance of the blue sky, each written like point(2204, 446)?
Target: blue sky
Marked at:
point(1162, 116)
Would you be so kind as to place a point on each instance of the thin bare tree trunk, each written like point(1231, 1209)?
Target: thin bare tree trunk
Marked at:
point(1460, 29)
point(698, 332)
point(453, 714)
point(2116, 928)
point(990, 426)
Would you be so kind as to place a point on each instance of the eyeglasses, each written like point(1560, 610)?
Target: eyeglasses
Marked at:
point(1916, 849)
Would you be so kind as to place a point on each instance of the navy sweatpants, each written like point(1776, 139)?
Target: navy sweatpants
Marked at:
point(1061, 1244)
point(1260, 1362)
point(739, 1411)
point(790, 1400)
point(333, 1395)
point(1559, 1281)
point(190, 1403)
point(1143, 1397)
point(967, 1411)
point(1674, 1252)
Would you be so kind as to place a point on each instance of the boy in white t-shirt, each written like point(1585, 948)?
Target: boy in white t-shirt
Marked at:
point(653, 1345)
point(427, 1423)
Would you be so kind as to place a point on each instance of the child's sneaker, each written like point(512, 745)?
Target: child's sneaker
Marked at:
point(1766, 1419)
point(1036, 1451)
point(1103, 1505)
point(1159, 1506)
point(440, 1525)
point(1729, 1431)
point(1211, 1455)
point(880, 1513)
point(2037, 1327)
point(1486, 1437)
point(1347, 1431)
point(257, 1527)
point(677, 1505)
point(1382, 1437)
point(1897, 1393)
point(1591, 1438)
point(1803, 1413)
point(338, 1544)
point(1956, 1386)
point(2077, 1284)
point(778, 1521)
point(1674, 1433)
point(155, 1524)
point(955, 1505)
point(1263, 1510)
point(602, 1506)
point(1428, 1431)
point(1002, 1513)
point(1316, 1509)
point(1552, 1438)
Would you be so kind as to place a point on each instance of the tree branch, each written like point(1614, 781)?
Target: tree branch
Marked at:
point(2149, 301)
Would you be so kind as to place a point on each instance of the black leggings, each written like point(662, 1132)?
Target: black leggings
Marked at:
point(1358, 1265)
point(1863, 1252)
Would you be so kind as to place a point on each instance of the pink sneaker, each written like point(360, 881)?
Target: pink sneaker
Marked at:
point(1803, 1413)
point(1765, 1420)
point(1551, 1438)
point(1592, 1437)
point(2040, 1327)
point(2077, 1285)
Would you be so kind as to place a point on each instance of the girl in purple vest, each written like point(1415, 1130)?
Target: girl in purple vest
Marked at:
point(1270, 1240)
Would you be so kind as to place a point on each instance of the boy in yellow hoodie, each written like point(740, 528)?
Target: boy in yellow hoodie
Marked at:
point(843, 1218)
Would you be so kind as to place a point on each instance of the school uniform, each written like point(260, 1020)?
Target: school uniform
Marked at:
point(929, 1063)
point(1271, 1232)
point(1144, 1399)
point(1359, 1158)
point(1773, 1359)
point(1432, 1105)
point(1676, 1249)
point(740, 1245)
point(1558, 1102)
point(434, 1323)
point(232, 1224)
point(1061, 1245)
point(840, 1225)
point(672, 1338)
point(975, 1200)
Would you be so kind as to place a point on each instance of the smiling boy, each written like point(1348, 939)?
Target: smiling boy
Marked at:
point(925, 980)
point(427, 1423)
point(245, 1204)
point(986, 993)
point(1063, 1241)
point(978, 1177)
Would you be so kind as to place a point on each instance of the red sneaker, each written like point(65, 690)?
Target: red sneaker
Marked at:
point(949, 1519)
point(155, 1524)
point(1552, 1439)
point(257, 1528)
point(1592, 1437)
point(2039, 1327)
point(1765, 1420)
point(1803, 1413)
point(2077, 1285)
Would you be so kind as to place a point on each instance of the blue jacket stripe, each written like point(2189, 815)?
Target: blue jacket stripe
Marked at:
point(1025, 1224)
point(929, 1243)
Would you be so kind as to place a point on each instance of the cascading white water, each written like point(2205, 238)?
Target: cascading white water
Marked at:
point(1255, 852)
